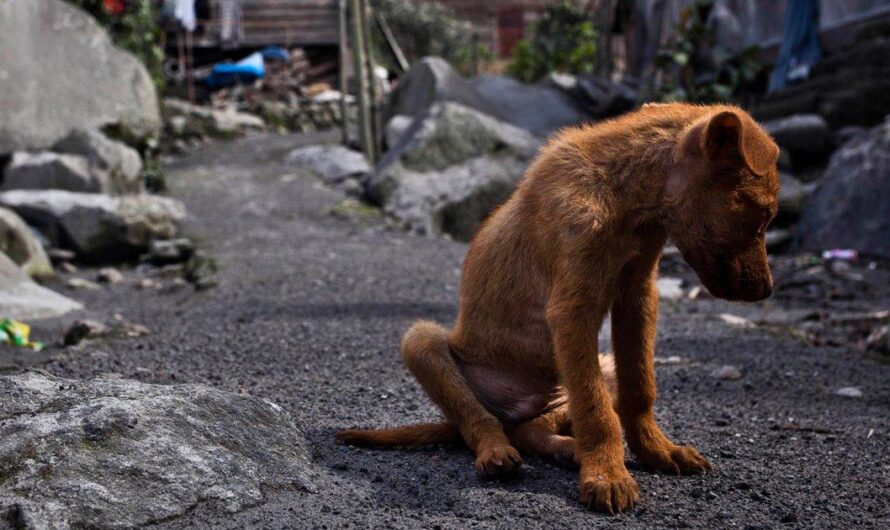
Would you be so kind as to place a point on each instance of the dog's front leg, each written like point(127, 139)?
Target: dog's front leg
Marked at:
point(634, 316)
point(574, 322)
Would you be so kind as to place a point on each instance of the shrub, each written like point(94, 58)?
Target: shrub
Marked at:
point(563, 40)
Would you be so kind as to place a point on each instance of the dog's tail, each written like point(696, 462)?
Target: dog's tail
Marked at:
point(408, 436)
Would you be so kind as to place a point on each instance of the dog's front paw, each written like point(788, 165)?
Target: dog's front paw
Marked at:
point(675, 459)
point(609, 492)
point(498, 461)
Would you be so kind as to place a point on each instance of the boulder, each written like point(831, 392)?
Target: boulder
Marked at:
point(429, 81)
point(116, 453)
point(849, 207)
point(22, 299)
point(117, 163)
point(218, 123)
point(98, 227)
point(539, 109)
point(791, 198)
point(602, 98)
point(60, 71)
point(450, 169)
point(51, 171)
point(333, 164)
point(18, 242)
point(806, 137)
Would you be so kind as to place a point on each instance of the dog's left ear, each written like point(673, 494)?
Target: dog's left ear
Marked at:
point(729, 135)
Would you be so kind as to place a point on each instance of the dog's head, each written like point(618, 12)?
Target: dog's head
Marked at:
point(721, 196)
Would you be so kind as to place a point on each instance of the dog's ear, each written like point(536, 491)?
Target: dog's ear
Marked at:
point(730, 137)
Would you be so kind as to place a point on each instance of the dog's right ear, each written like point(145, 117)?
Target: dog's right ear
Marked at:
point(727, 138)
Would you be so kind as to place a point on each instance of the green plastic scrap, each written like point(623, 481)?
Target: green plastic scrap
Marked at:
point(17, 333)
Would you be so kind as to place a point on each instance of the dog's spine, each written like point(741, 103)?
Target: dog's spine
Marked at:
point(408, 436)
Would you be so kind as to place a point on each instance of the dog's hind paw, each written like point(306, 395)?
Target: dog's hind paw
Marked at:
point(677, 459)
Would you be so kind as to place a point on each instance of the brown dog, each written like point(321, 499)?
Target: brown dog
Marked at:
point(581, 236)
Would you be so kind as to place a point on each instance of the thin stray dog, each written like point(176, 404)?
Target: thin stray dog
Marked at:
point(581, 236)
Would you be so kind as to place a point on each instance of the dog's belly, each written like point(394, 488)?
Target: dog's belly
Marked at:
point(512, 397)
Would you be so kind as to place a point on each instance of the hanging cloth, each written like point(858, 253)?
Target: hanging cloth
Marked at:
point(184, 11)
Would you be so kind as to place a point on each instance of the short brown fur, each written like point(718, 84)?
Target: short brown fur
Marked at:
point(579, 238)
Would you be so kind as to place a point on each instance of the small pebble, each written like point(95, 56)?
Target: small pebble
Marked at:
point(727, 373)
point(109, 275)
point(82, 284)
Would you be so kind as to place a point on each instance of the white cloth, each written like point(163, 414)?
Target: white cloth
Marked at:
point(184, 11)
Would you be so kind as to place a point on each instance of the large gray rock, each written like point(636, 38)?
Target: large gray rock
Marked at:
point(22, 299)
point(806, 137)
point(98, 227)
point(539, 109)
point(52, 171)
point(112, 453)
point(333, 164)
point(450, 169)
point(792, 195)
point(60, 71)
point(849, 208)
point(114, 162)
point(433, 80)
point(21, 246)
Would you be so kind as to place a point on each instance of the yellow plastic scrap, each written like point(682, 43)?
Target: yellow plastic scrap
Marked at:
point(17, 333)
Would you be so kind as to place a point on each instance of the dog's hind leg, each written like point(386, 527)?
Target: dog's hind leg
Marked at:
point(543, 436)
point(427, 354)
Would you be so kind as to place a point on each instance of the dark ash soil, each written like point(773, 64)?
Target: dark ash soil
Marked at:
point(309, 313)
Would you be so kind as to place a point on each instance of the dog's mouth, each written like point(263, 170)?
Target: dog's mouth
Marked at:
point(738, 277)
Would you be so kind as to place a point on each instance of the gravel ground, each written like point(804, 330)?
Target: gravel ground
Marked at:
point(309, 312)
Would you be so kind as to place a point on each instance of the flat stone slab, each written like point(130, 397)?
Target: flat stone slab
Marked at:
point(113, 453)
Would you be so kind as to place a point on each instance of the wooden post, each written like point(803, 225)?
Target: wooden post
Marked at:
point(344, 110)
point(366, 132)
point(373, 88)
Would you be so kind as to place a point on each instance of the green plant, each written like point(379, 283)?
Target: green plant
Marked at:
point(563, 40)
point(694, 69)
point(133, 25)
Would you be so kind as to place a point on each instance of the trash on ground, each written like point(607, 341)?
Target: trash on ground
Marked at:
point(17, 333)
point(846, 254)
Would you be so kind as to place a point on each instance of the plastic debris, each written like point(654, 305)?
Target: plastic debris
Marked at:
point(845, 254)
point(17, 333)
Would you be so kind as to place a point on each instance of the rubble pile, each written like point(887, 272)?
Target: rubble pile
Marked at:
point(292, 95)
